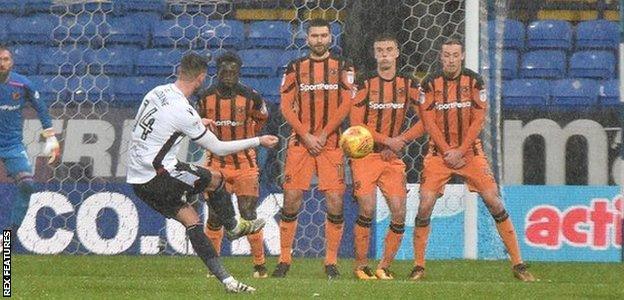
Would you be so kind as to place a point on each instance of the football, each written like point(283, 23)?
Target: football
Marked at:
point(356, 142)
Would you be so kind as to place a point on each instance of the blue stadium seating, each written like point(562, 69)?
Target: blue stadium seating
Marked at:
point(89, 88)
point(269, 34)
point(610, 93)
point(543, 64)
point(597, 34)
point(15, 7)
point(513, 36)
point(208, 8)
point(5, 20)
point(520, 93)
point(132, 30)
point(131, 90)
point(510, 63)
point(261, 62)
point(575, 92)
point(168, 33)
point(35, 29)
point(83, 29)
point(50, 86)
point(130, 6)
point(549, 34)
point(592, 64)
point(37, 6)
point(64, 60)
point(157, 62)
point(227, 34)
point(112, 60)
point(269, 88)
point(26, 59)
point(287, 57)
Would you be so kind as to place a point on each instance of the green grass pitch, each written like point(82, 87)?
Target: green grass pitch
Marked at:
point(171, 277)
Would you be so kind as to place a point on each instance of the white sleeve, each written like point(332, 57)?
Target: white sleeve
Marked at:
point(189, 123)
point(210, 142)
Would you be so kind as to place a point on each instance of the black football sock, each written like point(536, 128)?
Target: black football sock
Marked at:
point(206, 251)
point(220, 201)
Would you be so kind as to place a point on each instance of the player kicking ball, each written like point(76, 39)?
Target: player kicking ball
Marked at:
point(236, 111)
point(453, 107)
point(381, 103)
point(160, 180)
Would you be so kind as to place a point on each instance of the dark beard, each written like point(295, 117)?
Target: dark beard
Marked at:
point(3, 77)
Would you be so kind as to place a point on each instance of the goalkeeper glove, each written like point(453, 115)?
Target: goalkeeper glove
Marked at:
point(52, 147)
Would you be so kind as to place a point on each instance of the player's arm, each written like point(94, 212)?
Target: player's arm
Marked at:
point(52, 147)
point(346, 93)
point(288, 93)
point(477, 116)
point(426, 108)
point(417, 130)
point(259, 113)
point(194, 128)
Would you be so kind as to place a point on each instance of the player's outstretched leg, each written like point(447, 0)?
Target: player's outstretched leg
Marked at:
point(393, 237)
point(422, 229)
point(334, 225)
point(507, 233)
point(247, 207)
point(288, 230)
point(25, 188)
point(220, 201)
point(362, 237)
point(206, 252)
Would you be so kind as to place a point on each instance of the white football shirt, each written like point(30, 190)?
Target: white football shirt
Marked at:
point(164, 118)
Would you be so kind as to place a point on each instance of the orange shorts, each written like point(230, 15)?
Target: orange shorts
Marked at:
point(301, 166)
point(476, 173)
point(242, 182)
point(371, 171)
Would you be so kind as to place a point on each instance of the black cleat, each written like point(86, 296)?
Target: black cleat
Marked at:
point(280, 270)
point(332, 272)
point(417, 274)
point(521, 273)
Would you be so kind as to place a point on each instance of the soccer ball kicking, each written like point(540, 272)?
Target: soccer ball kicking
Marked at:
point(356, 142)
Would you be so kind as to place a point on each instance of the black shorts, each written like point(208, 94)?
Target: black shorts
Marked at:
point(164, 192)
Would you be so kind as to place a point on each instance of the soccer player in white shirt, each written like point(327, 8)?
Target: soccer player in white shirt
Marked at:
point(160, 180)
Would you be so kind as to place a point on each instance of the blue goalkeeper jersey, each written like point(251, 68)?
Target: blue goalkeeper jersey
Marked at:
point(14, 94)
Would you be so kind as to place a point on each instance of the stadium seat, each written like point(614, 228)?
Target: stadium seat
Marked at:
point(183, 31)
point(89, 88)
point(131, 90)
point(207, 8)
point(543, 64)
point(269, 34)
point(592, 64)
point(287, 57)
point(226, 34)
point(520, 93)
point(597, 34)
point(50, 86)
point(575, 92)
point(259, 62)
point(510, 63)
point(513, 36)
point(122, 7)
point(14, 7)
point(5, 20)
point(269, 88)
point(157, 62)
point(26, 59)
point(610, 93)
point(35, 29)
point(549, 34)
point(37, 6)
point(113, 60)
point(131, 30)
point(64, 60)
point(82, 29)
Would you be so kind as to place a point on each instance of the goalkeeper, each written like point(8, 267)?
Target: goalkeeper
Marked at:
point(15, 92)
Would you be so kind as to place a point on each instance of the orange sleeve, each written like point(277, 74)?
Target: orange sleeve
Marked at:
point(429, 116)
point(346, 93)
point(288, 92)
point(477, 115)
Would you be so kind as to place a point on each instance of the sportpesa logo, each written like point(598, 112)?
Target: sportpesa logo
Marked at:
point(377, 105)
point(228, 123)
point(317, 87)
point(453, 105)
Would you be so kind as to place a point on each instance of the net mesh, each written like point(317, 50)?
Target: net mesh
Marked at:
point(87, 84)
